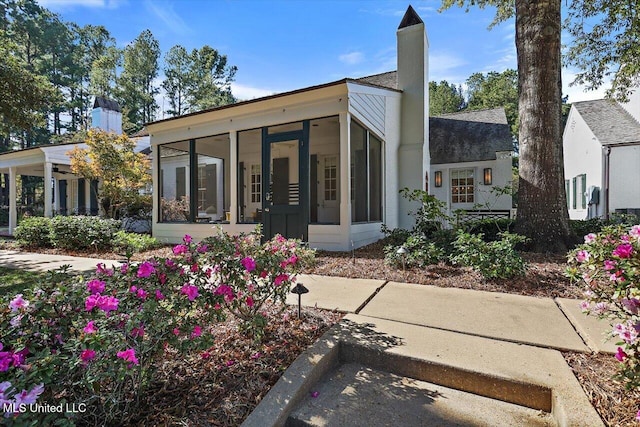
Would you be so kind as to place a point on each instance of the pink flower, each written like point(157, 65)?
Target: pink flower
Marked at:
point(197, 331)
point(610, 265)
point(128, 355)
point(623, 251)
point(87, 355)
point(137, 332)
point(190, 291)
point(107, 304)
point(18, 303)
point(187, 239)
point(230, 362)
point(224, 290)
point(142, 294)
point(91, 302)
point(601, 308)
point(621, 355)
point(257, 355)
point(29, 398)
point(617, 277)
point(145, 269)
point(582, 256)
point(635, 232)
point(280, 279)
point(315, 394)
point(159, 295)
point(95, 286)
point(590, 238)
point(248, 263)
point(632, 305)
point(249, 302)
point(585, 306)
point(90, 328)
point(638, 416)
point(124, 268)
point(202, 248)
point(102, 269)
point(176, 331)
point(180, 249)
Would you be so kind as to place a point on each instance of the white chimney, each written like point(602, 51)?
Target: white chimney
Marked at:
point(413, 80)
point(106, 115)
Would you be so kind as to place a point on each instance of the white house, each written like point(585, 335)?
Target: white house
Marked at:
point(323, 163)
point(64, 192)
point(602, 158)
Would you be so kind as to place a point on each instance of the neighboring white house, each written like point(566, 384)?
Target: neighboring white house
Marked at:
point(323, 163)
point(65, 193)
point(602, 158)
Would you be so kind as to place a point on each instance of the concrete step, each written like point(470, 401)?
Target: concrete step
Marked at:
point(357, 395)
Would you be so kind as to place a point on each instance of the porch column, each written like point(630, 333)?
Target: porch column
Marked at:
point(56, 196)
point(345, 178)
point(13, 209)
point(48, 199)
point(233, 174)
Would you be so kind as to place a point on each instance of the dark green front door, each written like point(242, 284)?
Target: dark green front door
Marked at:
point(285, 171)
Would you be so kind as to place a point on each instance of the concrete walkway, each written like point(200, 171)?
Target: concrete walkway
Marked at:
point(481, 334)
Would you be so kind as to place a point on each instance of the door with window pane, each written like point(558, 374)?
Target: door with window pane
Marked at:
point(285, 183)
point(328, 190)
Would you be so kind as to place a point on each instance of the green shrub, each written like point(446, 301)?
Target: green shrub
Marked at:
point(490, 228)
point(582, 227)
point(494, 260)
point(420, 253)
point(34, 232)
point(83, 232)
point(133, 242)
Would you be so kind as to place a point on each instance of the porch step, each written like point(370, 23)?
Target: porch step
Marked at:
point(357, 395)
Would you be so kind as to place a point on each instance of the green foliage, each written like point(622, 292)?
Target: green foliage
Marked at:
point(133, 242)
point(83, 232)
point(431, 215)
point(445, 97)
point(420, 253)
point(605, 44)
point(13, 281)
point(136, 87)
point(197, 80)
point(493, 90)
point(490, 229)
point(494, 260)
point(608, 267)
point(34, 232)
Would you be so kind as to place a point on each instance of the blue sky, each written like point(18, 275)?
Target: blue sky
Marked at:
point(281, 45)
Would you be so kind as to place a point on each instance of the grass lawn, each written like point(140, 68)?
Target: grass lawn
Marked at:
point(14, 281)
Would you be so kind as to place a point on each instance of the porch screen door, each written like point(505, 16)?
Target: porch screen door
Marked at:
point(285, 171)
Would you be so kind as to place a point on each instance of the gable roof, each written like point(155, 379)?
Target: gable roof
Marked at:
point(469, 136)
point(609, 122)
point(388, 79)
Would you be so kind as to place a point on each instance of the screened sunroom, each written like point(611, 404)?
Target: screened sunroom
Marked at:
point(305, 165)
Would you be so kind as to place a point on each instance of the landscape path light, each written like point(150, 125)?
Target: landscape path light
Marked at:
point(299, 289)
point(402, 253)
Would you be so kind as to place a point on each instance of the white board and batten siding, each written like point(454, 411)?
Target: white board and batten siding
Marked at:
point(370, 109)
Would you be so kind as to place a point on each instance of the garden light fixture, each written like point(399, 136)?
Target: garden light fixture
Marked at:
point(299, 289)
point(402, 253)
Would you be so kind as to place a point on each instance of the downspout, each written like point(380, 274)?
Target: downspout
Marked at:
point(607, 165)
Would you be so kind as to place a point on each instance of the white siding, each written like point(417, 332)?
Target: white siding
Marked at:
point(371, 108)
point(624, 178)
point(582, 155)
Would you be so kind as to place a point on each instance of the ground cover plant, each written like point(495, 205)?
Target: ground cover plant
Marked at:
point(99, 342)
point(15, 281)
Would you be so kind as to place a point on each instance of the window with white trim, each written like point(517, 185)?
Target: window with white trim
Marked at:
point(330, 178)
point(256, 183)
point(462, 186)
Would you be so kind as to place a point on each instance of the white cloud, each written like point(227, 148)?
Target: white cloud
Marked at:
point(352, 58)
point(578, 92)
point(243, 92)
point(168, 16)
point(444, 66)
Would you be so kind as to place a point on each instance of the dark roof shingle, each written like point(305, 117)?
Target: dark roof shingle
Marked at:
point(107, 104)
point(469, 136)
point(609, 122)
point(388, 79)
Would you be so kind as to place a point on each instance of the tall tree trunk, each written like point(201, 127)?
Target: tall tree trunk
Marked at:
point(542, 207)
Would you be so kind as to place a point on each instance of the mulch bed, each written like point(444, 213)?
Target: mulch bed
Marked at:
point(222, 395)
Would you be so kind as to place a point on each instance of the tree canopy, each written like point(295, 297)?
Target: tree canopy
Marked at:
point(112, 159)
point(493, 90)
point(445, 97)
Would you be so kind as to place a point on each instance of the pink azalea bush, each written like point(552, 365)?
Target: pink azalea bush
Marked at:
point(608, 264)
point(95, 340)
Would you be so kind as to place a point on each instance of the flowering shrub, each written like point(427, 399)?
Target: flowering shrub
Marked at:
point(94, 341)
point(608, 263)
